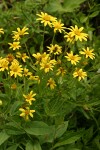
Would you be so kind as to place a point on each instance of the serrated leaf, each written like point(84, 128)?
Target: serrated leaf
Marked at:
point(3, 137)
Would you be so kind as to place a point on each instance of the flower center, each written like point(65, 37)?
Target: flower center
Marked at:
point(72, 57)
point(46, 17)
point(77, 32)
point(27, 112)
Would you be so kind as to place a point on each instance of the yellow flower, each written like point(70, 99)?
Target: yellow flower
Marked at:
point(69, 38)
point(23, 56)
point(16, 37)
point(73, 58)
point(1, 31)
point(1, 102)
point(20, 32)
point(14, 45)
point(26, 72)
point(14, 86)
point(29, 97)
point(88, 53)
point(26, 112)
point(61, 71)
point(46, 19)
point(77, 33)
point(36, 78)
point(51, 83)
point(40, 57)
point(55, 49)
point(58, 26)
point(3, 64)
point(15, 69)
point(80, 74)
point(10, 57)
point(47, 65)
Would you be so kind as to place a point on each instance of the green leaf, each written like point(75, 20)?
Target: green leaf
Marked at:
point(3, 137)
point(37, 128)
point(13, 147)
point(29, 145)
point(70, 138)
point(66, 6)
point(54, 6)
point(70, 5)
point(94, 14)
point(33, 145)
point(61, 129)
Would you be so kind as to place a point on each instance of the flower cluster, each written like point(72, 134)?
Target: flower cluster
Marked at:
point(47, 68)
point(47, 19)
point(26, 111)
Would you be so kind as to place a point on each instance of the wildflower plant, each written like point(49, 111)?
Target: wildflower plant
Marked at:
point(41, 91)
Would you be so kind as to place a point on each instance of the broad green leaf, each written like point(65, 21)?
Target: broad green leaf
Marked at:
point(66, 6)
point(33, 145)
point(14, 128)
point(48, 138)
point(3, 137)
point(36, 146)
point(70, 5)
point(70, 138)
point(37, 128)
point(29, 145)
point(54, 6)
point(61, 129)
point(13, 147)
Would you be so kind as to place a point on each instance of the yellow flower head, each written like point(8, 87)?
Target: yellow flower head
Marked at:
point(47, 65)
point(88, 53)
point(26, 72)
point(69, 38)
point(23, 56)
point(21, 32)
point(40, 57)
point(46, 19)
point(36, 78)
point(10, 57)
point(3, 64)
point(51, 83)
point(1, 102)
point(77, 33)
point(16, 37)
point(15, 69)
point(55, 49)
point(73, 58)
point(14, 45)
point(1, 31)
point(61, 71)
point(29, 97)
point(80, 74)
point(58, 26)
point(14, 86)
point(26, 112)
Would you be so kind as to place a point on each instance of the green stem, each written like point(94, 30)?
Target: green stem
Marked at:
point(53, 38)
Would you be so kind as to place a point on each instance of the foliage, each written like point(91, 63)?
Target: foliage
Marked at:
point(49, 75)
